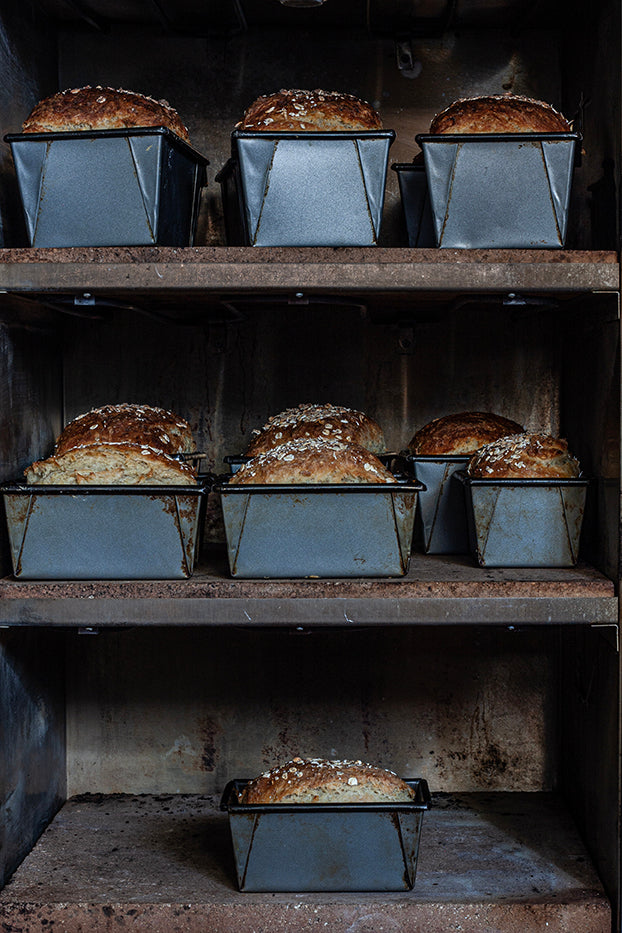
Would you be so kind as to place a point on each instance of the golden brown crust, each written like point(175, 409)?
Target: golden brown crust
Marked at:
point(322, 421)
point(499, 114)
point(311, 460)
point(524, 456)
point(461, 433)
point(111, 465)
point(101, 108)
point(130, 423)
point(318, 780)
point(309, 110)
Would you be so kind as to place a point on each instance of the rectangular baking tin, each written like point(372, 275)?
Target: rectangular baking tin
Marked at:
point(416, 207)
point(441, 521)
point(524, 523)
point(326, 847)
point(307, 189)
point(499, 190)
point(126, 187)
point(305, 530)
point(102, 532)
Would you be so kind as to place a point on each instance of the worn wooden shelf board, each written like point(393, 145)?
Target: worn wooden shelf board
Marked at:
point(440, 589)
point(499, 861)
point(157, 270)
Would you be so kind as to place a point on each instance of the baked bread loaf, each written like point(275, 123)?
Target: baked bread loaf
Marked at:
point(317, 780)
point(461, 433)
point(322, 421)
point(101, 108)
point(128, 423)
point(312, 460)
point(504, 113)
point(524, 456)
point(111, 465)
point(309, 110)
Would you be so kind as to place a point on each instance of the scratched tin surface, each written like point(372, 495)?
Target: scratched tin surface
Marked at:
point(102, 532)
point(499, 191)
point(349, 530)
point(313, 189)
point(326, 847)
point(441, 522)
point(525, 523)
point(132, 187)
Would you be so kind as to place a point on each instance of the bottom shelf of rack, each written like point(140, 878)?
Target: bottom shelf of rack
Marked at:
point(498, 861)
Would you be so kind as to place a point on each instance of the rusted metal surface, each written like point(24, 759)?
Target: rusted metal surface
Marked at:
point(506, 862)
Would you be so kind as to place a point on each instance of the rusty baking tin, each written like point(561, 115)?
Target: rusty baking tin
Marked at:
point(499, 190)
point(305, 189)
point(102, 532)
point(524, 523)
point(126, 187)
point(323, 530)
point(416, 207)
point(326, 847)
point(441, 521)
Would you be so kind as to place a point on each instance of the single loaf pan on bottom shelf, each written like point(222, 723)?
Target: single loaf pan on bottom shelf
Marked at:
point(326, 847)
point(441, 521)
point(524, 522)
point(305, 189)
point(415, 200)
point(341, 530)
point(103, 532)
point(499, 190)
point(127, 187)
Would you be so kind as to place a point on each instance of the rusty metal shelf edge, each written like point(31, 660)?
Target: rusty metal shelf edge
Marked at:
point(343, 612)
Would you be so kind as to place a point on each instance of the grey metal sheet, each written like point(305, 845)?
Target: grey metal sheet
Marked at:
point(441, 511)
point(416, 206)
point(319, 531)
point(500, 191)
point(108, 188)
point(91, 533)
point(324, 847)
point(525, 523)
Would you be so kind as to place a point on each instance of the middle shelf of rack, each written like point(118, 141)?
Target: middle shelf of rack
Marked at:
point(437, 590)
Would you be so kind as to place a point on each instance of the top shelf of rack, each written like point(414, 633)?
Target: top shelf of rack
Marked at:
point(258, 270)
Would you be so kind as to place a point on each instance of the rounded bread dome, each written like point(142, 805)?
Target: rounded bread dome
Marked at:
point(309, 110)
point(109, 464)
point(502, 113)
point(524, 456)
point(326, 422)
point(461, 433)
point(313, 460)
point(130, 423)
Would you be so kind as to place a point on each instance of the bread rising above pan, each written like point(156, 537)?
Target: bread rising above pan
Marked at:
point(499, 114)
point(328, 422)
point(524, 456)
point(129, 423)
point(111, 465)
point(312, 460)
point(318, 780)
point(461, 433)
point(101, 108)
point(309, 110)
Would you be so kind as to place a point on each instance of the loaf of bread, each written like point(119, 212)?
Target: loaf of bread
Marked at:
point(461, 433)
point(309, 111)
point(101, 108)
point(505, 113)
point(317, 780)
point(313, 460)
point(110, 465)
point(524, 456)
point(328, 422)
point(128, 423)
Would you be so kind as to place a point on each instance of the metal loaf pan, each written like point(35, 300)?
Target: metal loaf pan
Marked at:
point(416, 207)
point(303, 530)
point(126, 187)
point(326, 847)
point(499, 190)
point(441, 521)
point(305, 189)
point(102, 532)
point(524, 523)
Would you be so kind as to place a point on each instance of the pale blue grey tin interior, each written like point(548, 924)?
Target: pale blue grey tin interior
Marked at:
point(441, 522)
